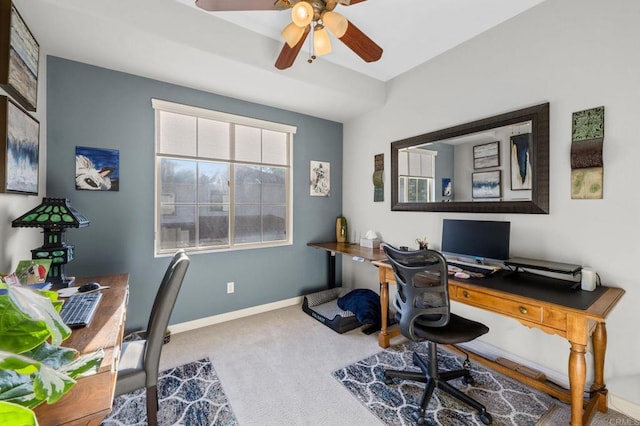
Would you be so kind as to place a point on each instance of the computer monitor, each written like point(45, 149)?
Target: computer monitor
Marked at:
point(479, 240)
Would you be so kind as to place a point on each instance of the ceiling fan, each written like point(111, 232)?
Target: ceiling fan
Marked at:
point(307, 15)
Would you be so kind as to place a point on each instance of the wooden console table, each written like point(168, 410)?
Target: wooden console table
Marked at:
point(575, 325)
point(91, 398)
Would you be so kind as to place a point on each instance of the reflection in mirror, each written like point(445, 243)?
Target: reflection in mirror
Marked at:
point(498, 164)
point(461, 168)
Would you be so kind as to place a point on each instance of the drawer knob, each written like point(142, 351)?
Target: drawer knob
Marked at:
point(465, 293)
point(523, 310)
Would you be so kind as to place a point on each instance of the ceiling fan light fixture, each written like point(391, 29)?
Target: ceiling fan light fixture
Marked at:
point(335, 22)
point(302, 13)
point(292, 34)
point(321, 42)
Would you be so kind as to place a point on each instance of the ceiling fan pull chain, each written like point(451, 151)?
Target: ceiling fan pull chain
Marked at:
point(312, 55)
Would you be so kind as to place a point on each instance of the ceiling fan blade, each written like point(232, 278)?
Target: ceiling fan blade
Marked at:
point(288, 54)
point(228, 5)
point(361, 45)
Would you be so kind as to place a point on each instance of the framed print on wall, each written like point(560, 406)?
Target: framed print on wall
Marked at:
point(486, 184)
point(19, 55)
point(319, 179)
point(97, 169)
point(486, 155)
point(19, 149)
point(521, 162)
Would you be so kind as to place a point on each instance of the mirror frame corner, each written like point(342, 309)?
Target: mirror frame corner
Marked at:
point(539, 204)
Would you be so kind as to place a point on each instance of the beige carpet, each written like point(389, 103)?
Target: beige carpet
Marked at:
point(276, 369)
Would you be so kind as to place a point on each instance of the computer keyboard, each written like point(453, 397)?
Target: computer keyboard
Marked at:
point(78, 310)
point(483, 270)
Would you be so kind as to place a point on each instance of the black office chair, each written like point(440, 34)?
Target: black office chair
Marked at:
point(422, 310)
point(140, 359)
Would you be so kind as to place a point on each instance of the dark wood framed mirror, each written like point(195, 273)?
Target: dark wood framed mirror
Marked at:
point(497, 164)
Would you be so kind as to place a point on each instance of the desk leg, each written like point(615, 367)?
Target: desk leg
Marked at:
point(383, 337)
point(599, 340)
point(577, 379)
point(331, 268)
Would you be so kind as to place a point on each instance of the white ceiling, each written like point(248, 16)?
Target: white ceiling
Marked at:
point(232, 53)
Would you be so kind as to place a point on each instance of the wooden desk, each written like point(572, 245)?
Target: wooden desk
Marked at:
point(354, 250)
point(91, 398)
point(575, 325)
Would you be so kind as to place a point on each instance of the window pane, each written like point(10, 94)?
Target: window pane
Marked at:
point(248, 184)
point(412, 192)
point(178, 180)
point(274, 189)
point(214, 225)
point(213, 183)
point(177, 227)
point(422, 190)
point(248, 146)
point(247, 224)
point(213, 139)
point(274, 223)
point(177, 134)
point(274, 147)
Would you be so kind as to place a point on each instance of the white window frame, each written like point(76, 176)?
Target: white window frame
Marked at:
point(172, 107)
point(419, 165)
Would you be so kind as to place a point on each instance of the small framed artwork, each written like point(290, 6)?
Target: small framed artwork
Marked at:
point(320, 179)
point(486, 184)
point(97, 169)
point(486, 155)
point(447, 187)
point(19, 56)
point(521, 178)
point(19, 149)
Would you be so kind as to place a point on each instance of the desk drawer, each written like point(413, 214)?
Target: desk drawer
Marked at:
point(512, 308)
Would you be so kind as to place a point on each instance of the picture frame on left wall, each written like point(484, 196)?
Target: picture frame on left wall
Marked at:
point(19, 57)
point(19, 149)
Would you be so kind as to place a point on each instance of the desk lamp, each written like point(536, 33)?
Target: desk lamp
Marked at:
point(54, 216)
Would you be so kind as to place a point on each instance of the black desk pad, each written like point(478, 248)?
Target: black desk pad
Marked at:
point(539, 287)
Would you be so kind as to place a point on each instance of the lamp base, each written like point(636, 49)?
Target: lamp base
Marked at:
point(60, 284)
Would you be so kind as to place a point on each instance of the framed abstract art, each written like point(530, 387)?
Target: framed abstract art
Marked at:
point(19, 149)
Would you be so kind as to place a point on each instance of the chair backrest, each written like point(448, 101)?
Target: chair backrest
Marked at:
point(161, 312)
point(423, 292)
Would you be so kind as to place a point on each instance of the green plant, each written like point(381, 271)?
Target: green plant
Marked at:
point(34, 368)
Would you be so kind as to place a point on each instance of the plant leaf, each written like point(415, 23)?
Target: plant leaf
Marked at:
point(39, 308)
point(84, 364)
point(54, 356)
point(44, 384)
point(16, 415)
point(19, 332)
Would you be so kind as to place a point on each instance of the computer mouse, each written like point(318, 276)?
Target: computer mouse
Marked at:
point(88, 287)
point(462, 275)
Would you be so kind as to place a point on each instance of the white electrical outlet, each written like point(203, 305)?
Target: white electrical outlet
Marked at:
point(230, 287)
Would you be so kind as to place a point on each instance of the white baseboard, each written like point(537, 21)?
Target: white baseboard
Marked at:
point(491, 352)
point(625, 407)
point(217, 319)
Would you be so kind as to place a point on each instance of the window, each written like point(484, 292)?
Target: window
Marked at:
point(222, 181)
point(417, 176)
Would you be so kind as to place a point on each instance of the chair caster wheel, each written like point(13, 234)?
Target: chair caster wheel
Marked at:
point(468, 380)
point(418, 416)
point(485, 418)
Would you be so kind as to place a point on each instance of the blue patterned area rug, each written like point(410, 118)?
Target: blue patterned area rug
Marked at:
point(188, 395)
point(508, 401)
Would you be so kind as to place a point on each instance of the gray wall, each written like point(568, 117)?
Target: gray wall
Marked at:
point(96, 107)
